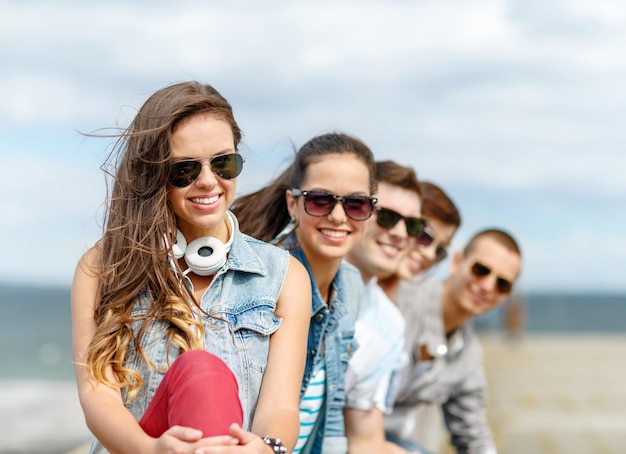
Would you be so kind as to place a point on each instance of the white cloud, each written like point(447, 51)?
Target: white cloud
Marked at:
point(40, 190)
point(495, 98)
point(577, 259)
point(49, 216)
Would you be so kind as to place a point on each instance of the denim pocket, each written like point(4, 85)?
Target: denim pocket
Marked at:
point(257, 320)
point(348, 346)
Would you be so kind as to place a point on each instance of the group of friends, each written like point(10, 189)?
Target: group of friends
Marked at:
point(298, 318)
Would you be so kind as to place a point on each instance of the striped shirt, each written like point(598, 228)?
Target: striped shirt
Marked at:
point(311, 404)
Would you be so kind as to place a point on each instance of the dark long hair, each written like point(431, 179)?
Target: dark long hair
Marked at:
point(263, 214)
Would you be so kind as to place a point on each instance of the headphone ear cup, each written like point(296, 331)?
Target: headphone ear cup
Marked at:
point(180, 246)
point(204, 256)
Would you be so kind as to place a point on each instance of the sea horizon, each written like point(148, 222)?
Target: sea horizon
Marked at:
point(35, 329)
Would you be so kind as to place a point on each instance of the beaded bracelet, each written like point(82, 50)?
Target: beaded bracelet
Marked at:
point(275, 444)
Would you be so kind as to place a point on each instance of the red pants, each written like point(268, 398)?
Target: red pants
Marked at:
point(198, 391)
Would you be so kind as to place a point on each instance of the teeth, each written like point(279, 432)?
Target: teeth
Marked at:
point(205, 200)
point(334, 233)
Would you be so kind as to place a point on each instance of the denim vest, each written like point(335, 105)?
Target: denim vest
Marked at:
point(243, 293)
point(331, 338)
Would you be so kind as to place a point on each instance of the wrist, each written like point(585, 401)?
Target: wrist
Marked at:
point(275, 444)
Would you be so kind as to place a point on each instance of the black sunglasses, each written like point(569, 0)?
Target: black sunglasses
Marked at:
point(503, 285)
point(227, 166)
point(387, 218)
point(322, 203)
point(426, 238)
point(440, 253)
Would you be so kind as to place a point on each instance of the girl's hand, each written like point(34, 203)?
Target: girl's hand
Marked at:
point(245, 442)
point(185, 440)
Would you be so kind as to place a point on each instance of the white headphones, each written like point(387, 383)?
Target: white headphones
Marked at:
point(204, 256)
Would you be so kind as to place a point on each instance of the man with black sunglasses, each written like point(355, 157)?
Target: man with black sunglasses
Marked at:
point(389, 233)
point(445, 368)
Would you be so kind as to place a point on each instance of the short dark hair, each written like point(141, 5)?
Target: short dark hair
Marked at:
point(436, 204)
point(499, 235)
point(394, 174)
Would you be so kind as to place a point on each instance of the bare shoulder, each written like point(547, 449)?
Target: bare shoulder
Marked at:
point(297, 270)
point(89, 263)
point(296, 291)
point(86, 277)
point(297, 279)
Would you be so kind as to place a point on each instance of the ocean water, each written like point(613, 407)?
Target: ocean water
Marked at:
point(35, 325)
point(35, 333)
point(566, 313)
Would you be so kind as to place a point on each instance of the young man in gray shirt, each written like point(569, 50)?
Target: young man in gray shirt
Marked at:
point(445, 353)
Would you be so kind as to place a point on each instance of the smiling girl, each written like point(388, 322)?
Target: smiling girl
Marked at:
point(188, 336)
point(317, 209)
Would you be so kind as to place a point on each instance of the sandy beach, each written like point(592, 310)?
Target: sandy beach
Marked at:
point(40, 417)
point(549, 394)
point(554, 394)
point(558, 394)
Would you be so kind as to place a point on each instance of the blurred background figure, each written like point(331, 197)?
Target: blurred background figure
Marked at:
point(379, 330)
point(431, 246)
point(513, 317)
point(445, 353)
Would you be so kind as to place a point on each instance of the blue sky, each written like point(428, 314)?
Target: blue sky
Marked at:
point(516, 108)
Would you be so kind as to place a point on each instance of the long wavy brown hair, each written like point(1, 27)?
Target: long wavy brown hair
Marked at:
point(138, 219)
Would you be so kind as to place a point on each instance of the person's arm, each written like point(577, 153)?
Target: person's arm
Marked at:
point(465, 415)
point(365, 431)
point(393, 448)
point(277, 411)
point(105, 414)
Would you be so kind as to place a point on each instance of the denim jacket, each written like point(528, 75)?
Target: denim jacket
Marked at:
point(331, 338)
point(243, 293)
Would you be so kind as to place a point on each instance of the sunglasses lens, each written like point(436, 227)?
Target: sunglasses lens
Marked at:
point(425, 238)
point(440, 253)
point(415, 226)
point(184, 173)
point(387, 218)
point(480, 270)
point(357, 207)
point(503, 285)
point(319, 203)
point(228, 166)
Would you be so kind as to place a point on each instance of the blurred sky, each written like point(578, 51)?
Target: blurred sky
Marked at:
point(513, 107)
